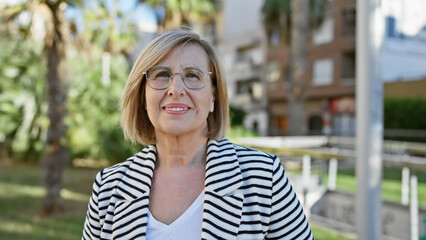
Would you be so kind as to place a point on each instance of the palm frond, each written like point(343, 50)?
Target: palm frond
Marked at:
point(11, 12)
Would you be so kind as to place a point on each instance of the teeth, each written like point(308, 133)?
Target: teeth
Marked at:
point(176, 109)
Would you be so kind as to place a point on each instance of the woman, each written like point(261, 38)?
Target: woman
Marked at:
point(190, 182)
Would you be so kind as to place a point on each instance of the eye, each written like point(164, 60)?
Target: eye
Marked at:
point(193, 75)
point(161, 75)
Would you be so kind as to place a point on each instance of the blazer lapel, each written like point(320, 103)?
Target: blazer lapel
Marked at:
point(130, 213)
point(223, 200)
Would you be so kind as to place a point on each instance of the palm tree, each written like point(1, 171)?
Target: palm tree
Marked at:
point(293, 20)
point(182, 12)
point(56, 156)
point(116, 37)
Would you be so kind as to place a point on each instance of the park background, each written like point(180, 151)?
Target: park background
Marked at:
point(64, 65)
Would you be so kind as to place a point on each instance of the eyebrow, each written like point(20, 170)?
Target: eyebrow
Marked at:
point(184, 68)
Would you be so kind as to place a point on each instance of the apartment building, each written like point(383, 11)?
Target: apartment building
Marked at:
point(241, 43)
point(330, 78)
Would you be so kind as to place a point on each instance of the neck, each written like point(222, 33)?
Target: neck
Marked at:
point(181, 151)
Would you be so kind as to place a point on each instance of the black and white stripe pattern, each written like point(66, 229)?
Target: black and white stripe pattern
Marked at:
point(247, 196)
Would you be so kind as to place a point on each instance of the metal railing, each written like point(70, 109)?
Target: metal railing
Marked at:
point(409, 157)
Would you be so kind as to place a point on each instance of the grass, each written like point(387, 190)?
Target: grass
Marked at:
point(21, 193)
point(236, 132)
point(326, 234)
point(391, 184)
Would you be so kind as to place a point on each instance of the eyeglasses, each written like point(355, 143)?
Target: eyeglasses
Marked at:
point(160, 78)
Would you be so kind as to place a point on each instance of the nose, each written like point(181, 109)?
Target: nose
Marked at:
point(177, 87)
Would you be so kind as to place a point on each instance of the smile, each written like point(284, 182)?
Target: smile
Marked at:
point(176, 109)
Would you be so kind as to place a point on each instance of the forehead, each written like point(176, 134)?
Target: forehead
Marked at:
point(186, 55)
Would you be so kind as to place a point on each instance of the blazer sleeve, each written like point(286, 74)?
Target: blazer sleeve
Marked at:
point(287, 220)
point(92, 226)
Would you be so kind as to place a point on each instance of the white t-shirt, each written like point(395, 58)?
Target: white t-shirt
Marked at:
point(187, 226)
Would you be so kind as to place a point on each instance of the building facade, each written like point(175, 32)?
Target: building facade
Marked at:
point(241, 43)
point(331, 79)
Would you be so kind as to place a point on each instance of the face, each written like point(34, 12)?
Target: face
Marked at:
point(177, 110)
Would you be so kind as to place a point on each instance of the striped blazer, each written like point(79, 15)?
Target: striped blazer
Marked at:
point(247, 196)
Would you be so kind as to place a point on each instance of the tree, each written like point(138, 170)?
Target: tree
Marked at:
point(56, 156)
point(182, 12)
point(293, 20)
point(108, 28)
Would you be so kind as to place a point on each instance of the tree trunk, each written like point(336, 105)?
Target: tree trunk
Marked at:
point(296, 90)
point(56, 158)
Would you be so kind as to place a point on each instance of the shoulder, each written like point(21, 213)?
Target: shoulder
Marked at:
point(116, 172)
point(251, 152)
point(247, 157)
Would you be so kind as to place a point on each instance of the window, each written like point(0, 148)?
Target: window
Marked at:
point(252, 54)
point(348, 68)
point(322, 72)
point(244, 87)
point(349, 22)
point(325, 32)
point(272, 73)
point(344, 125)
point(251, 88)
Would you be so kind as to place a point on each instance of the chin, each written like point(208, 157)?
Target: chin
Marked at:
point(178, 132)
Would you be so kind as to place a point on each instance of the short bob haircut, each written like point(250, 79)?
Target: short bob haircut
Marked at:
point(136, 125)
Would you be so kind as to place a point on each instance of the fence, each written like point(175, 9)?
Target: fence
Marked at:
point(409, 157)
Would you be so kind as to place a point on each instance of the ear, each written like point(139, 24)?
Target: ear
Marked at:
point(212, 106)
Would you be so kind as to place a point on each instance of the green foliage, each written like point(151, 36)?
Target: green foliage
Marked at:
point(404, 113)
point(236, 116)
point(108, 28)
point(239, 131)
point(23, 120)
point(95, 109)
point(278, 14)
point(195, 9)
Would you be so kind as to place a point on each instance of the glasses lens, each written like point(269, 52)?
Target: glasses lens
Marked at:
point(195, 78)
point(159, 77)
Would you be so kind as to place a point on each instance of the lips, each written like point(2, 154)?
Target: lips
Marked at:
point(176, 108)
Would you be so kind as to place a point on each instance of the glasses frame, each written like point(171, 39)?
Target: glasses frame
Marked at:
point(181, 76)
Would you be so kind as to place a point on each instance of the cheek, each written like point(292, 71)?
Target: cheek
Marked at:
point(151, 101)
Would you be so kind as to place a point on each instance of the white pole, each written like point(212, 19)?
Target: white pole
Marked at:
point(332, 174)
point(414, 208)
point(405, 188)
point(306, 176)
point(369, 119)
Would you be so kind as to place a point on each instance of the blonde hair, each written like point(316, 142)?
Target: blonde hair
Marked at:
point(135, 122)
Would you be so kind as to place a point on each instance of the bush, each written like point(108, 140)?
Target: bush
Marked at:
point(236, 116)
point(404, 113)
